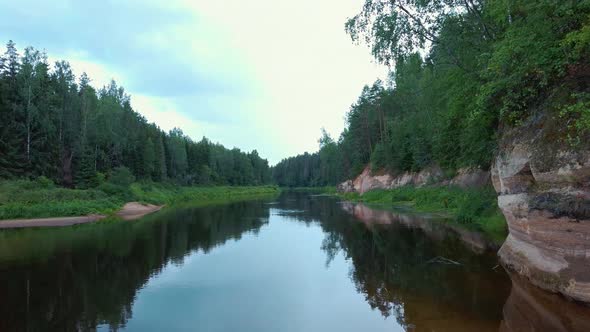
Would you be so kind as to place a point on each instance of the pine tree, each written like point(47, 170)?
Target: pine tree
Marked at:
point(84, 173)
point(160, 170)
point(12, 161)
point(148, 159)
point(55, 126)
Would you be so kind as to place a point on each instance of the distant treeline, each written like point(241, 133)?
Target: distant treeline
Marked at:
point(60, 127)
point(318, 169)
point(489, 64)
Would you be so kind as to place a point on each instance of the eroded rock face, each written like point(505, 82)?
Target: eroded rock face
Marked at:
point(346, 187)
point(544, 192)
point(367, 180)
point(471, 178)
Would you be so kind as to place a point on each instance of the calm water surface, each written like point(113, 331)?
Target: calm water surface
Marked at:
point(295, 263)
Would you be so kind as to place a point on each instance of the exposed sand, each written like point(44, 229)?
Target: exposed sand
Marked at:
point(49, 222)
point(130, 211)
point(135, 210)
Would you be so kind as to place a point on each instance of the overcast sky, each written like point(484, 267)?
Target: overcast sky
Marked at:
point(256, 74)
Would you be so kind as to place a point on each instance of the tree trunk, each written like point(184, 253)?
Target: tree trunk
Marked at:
point(66, 169)
point(368, 133)
point(29, 124)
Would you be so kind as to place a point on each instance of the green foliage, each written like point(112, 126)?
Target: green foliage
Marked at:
point(63, 128)
point(45, 182)
point(40, 198)
point(37, 199)
point(380, 157)
point(122, 176)
point(395, 29)
point(577, 117)
point(98, 179)
point(112, 189)
point(319, 169)
point(578, 41)
point(85, 173)
point(328, 190)
point(299, 171)
point(462, 69)
point(530, 55)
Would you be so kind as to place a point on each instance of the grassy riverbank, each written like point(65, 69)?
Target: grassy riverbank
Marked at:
point(41, 198)
point(472, 207)
point(323, 190)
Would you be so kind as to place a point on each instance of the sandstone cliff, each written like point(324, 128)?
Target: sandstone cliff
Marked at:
point(543, 185)
point(370, 180)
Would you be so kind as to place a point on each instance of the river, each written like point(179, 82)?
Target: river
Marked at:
point(299, 262)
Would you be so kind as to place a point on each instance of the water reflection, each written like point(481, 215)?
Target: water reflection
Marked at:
point(410, 269)
point(446, 297)
point(76, 278)
point(433, 226)
point(529, 308)
point(428, 276)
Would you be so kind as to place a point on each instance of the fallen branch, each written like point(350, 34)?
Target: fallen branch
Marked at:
point(443, 260)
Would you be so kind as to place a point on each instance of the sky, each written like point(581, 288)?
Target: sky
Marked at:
point(256, 74)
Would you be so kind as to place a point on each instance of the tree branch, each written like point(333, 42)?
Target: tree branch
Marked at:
point(473, 9)
point(431, 37)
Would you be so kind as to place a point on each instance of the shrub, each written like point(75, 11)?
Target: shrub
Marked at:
point(98, 179)
point(112, 189)
point(45, 182)
point(577, 117)
point(122, 176)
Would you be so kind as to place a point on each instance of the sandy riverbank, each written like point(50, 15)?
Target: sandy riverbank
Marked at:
point(130, 211)
point(135, 210)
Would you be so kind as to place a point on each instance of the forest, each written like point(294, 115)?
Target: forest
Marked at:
point(58, 126)
point(461, 70)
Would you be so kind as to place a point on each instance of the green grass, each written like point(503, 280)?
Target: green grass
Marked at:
point(170, 194)
point(469, 207)
point(39, 199)
point(323, 190)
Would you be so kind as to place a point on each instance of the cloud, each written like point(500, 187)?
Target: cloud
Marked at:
point(259, 74)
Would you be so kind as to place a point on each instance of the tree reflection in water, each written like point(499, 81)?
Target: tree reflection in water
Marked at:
point(392, 265)
point(426, 274)
point(76, 278)
point(395, 266)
